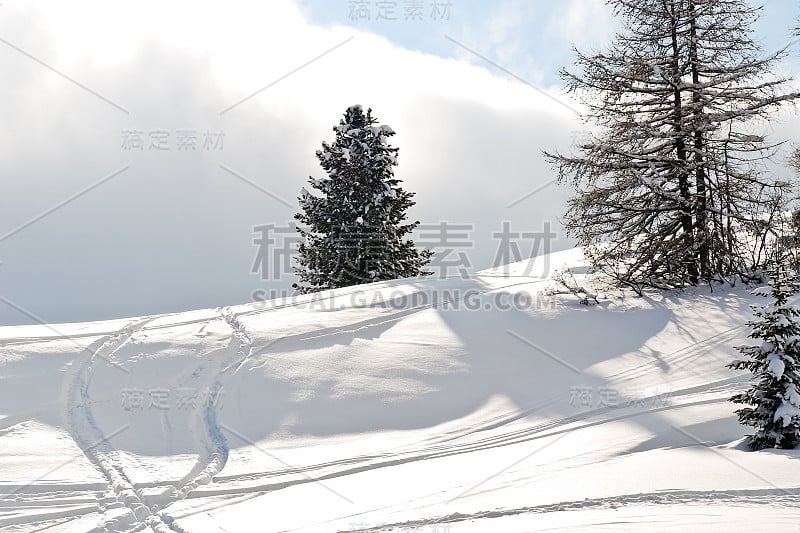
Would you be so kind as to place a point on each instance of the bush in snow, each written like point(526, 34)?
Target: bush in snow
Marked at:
point(773, 399)
point(355, 232)
point(567, 284)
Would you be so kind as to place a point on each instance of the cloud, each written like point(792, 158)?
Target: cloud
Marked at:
point(174, 231)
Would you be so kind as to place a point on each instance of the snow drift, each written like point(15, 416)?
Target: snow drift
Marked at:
point(440, 405)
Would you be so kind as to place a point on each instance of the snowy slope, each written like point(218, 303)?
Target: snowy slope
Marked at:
point(419, 405)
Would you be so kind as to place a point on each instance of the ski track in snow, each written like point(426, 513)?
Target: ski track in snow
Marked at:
point(141, 511)
point(94, 443)
point(775, 497)
point(204, 426)
point(210, 441)
point(146, 511)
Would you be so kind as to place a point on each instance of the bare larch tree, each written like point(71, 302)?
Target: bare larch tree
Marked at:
point(671, 190)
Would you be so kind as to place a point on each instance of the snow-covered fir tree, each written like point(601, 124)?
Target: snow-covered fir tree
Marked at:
point(355, 231)
point(773, 400)
point(672, 188)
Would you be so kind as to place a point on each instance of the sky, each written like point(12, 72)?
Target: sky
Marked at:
point(152, 152)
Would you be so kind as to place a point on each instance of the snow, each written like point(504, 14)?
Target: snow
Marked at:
point(791, 395)
point(775, 365)
point(785, 412)
point(418, 403)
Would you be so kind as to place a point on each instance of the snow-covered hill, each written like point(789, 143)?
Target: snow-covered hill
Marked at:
point(424, 405)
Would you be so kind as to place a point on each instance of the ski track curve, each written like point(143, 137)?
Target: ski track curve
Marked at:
point(82, 427)
point(205, 428)
point(210, 441)
point(146, 511)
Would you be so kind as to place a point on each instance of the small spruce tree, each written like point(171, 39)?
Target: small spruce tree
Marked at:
point(355, 231)
point(773, 400)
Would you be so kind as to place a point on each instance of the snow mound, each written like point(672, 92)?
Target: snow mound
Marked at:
point(454, 405)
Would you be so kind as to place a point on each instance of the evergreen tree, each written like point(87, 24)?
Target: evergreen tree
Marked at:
point(671, 189)
point(355, 231)
point(773, 399)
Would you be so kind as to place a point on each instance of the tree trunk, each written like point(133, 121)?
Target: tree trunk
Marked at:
point(701, 216)
point(680, 150)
